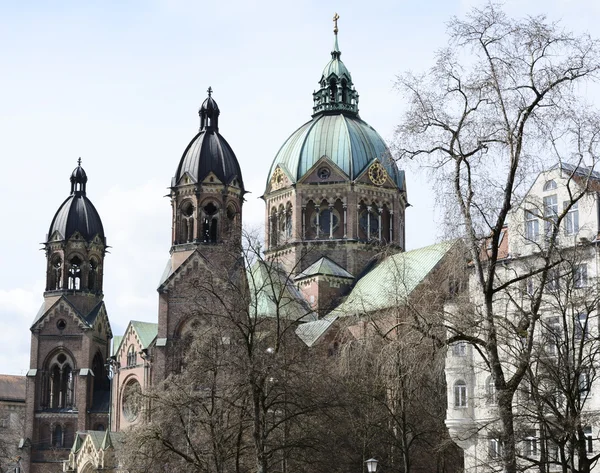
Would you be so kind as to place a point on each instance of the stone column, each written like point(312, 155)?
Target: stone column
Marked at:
point(345, 221)
point(317, 210)
point(380, 210)
point(330, 221)
point(391, 227)
point(304, 222)
point(368, 222)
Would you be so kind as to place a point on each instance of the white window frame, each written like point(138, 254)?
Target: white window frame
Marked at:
point(459, 349)
point(550, 213)
point(530, 445)
point(589, 439)
point(571, 218)
point(580, 277)
point(461, 399)
point(532, 225)
point(494, 449)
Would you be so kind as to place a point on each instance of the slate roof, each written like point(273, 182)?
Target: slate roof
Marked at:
point(77, 214)
point(325, 266)
point(88, 319)
point(388, 284)
point(12, 388)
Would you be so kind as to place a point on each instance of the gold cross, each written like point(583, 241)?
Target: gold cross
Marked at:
point(336, 17)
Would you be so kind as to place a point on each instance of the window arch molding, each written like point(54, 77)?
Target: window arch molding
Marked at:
point(549, 185)
point(58, 380)
point(131, 356)
point(460, 393)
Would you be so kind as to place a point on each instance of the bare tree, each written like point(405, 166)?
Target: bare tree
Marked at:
point(500, 105)
point(247, 387)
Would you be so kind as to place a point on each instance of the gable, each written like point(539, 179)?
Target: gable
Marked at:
point(61, 308)
point(194, 260)
point(324, 171)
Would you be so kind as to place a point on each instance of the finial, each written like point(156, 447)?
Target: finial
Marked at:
point(336, 17)
point(79, 162)
point(209, 91)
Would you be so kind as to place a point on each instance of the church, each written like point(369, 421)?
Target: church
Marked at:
point(335, 202)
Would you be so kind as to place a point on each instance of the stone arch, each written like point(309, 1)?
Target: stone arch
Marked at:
point(75, 272)
point(93, 278)
point(273, 227)
point(130, 399)
point(210, 211)
point(58, 380)
point(232, 214)
point(186, 221)
point(55, 272)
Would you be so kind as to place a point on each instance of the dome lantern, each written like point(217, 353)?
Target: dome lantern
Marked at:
point(209, 114)
point(337, 92)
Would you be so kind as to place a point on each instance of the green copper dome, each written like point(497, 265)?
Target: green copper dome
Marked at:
point(335, 131)
point(346, 140)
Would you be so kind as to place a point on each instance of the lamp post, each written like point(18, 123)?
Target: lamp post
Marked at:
point(371, 465)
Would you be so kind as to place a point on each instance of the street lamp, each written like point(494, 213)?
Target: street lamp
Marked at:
point(371, 465)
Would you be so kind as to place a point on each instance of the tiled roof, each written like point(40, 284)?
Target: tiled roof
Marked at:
point(12, 388)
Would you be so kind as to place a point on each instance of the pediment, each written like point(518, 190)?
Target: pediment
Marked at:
point(56, 236)
point(193, 262)
point(376, 174)
point(280, 179)
point(324, 171)
point(186, 180)
point(211, 179)
point(62, 308)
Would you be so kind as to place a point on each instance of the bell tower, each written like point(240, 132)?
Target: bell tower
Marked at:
point(207, 194)
point(67, 383)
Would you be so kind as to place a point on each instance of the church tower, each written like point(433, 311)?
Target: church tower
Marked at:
point(335, 198)
point(207, 193)
point(67, 383)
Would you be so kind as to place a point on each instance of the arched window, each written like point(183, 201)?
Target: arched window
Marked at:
point(57, 437)
point(209, 223)
point(131, 400)
point(490, 391)
point(55, 276)
point(273, 224)
point(59, 385)
point(93, 275)
point(281, 221)
point(460, 393)
point(549, 185)
point(333, 90)
point(75, 273)
point(187, 223)
point(232, 224)
point(344, 91)
point(288, 221)
point(131, 356)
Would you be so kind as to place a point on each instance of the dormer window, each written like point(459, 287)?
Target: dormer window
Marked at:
point(549, 185)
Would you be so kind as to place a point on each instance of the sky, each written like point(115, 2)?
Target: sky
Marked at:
point(119, 84)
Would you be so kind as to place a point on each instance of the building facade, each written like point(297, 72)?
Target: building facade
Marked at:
point(548, 250)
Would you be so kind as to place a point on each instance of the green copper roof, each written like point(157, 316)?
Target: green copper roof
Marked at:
point(116, 342)
point(147, 331)
point(388, 284)
point(392, 281)
point(273, 294)
point(325, 267)
point(348, 141)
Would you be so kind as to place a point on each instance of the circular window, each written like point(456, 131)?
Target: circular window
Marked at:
point(61, 324)
point(131, 401)
point(324, 220)
point(324, 173)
